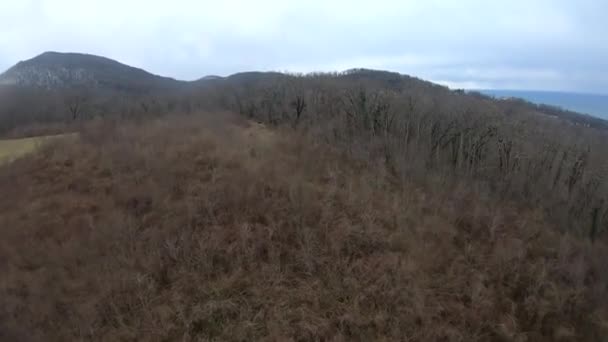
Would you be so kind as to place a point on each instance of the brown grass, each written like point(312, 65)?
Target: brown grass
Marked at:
point(190, 230)
point(11, 149)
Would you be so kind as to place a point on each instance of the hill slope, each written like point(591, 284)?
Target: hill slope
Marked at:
point(53, 70)
point(190, 230)
point(61, 71)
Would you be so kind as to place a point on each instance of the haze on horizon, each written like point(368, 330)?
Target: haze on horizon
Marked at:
point(555, 45)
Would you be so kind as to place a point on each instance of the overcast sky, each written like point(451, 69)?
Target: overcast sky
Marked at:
point(514, 44)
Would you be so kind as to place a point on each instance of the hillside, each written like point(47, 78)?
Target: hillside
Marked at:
point(361, 205)
point(53, 70)
point(547, 156)
point(214, 228)
point(44, 87)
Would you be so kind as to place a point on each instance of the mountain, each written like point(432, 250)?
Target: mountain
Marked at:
point(41, 87)
point(593, 104)
point(54, 70)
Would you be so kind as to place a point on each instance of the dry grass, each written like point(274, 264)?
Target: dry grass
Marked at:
point(190, 230)
point(11, 149)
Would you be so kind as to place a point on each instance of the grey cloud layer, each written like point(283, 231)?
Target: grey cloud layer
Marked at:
point(543, 44)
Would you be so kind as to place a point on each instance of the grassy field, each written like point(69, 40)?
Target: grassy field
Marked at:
point(12, 149)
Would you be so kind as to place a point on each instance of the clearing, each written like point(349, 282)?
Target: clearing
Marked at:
point(11, 149)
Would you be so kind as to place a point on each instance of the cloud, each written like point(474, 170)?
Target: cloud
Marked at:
point(543, 44)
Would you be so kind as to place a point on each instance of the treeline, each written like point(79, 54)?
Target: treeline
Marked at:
point(21, 107)
point(414, 130)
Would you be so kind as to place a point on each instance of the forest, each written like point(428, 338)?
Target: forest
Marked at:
point(361, 205)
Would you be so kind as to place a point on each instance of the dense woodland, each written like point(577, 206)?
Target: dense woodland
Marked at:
point(538, 155)
point(351, 206)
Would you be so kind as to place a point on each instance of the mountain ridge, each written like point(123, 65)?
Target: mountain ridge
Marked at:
point(80, 72)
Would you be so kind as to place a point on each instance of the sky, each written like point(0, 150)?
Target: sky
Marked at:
point(559, 45)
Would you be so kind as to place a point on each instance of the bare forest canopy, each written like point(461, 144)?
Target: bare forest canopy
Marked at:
point(541, 155)
point(355, 206)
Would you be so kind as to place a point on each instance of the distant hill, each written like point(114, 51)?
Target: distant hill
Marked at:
point(54, 70)
point(45, 87)
point(593, 104)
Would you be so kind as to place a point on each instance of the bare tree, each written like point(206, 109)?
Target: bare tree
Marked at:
point(75, 102)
